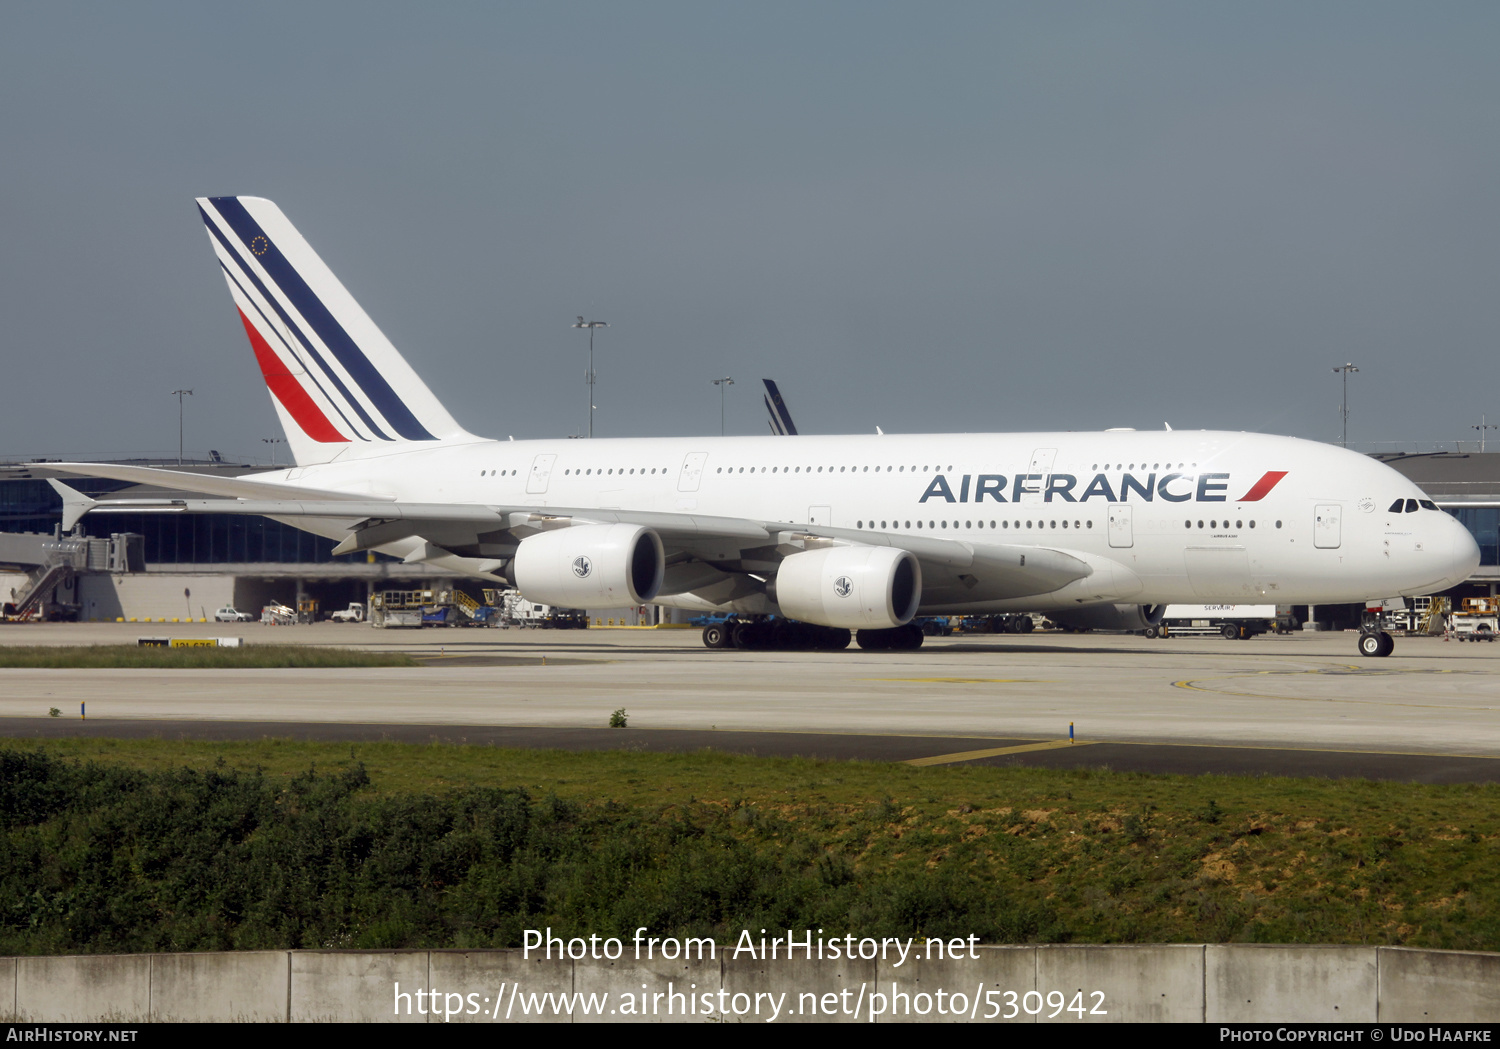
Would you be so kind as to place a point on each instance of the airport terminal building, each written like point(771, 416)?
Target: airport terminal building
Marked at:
point(185, 566)
point(169, 566)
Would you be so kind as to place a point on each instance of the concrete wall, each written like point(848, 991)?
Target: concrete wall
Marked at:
point(1188, 983)
point(12, 584)
point(150, 596)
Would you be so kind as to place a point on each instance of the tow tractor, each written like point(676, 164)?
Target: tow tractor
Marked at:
point(1478, 620)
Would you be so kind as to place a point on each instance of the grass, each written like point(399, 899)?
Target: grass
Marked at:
point(249, 657)
point(709, 843)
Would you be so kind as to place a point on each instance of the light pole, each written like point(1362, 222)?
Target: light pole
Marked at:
point(721, 383)
point(591, 325)
point(1483, 426)
point(273, 442)
point(1346, 368)
point(180, 394)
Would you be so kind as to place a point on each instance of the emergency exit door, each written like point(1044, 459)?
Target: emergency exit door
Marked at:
point(1327, 526)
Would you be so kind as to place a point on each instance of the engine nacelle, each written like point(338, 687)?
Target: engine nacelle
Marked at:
point(857, 587)
point(1110, 617)
point(590, 566)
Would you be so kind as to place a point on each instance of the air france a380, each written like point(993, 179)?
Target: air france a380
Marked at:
point(833, 534)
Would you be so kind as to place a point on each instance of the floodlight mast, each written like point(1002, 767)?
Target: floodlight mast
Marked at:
point(180, 394)
point(1482, 426)
point(721, 384)
point(1346, 368)
point(590, 326)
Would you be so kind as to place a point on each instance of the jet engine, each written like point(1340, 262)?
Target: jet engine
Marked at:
point(590, 566)
point(1110, 617)
point(856, 587)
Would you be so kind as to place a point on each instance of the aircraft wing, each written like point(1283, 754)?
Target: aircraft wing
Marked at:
point(700, 549)
point(186, 481)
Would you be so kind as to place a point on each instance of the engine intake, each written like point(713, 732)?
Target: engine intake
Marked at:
point(590, 566)
point(855, 587)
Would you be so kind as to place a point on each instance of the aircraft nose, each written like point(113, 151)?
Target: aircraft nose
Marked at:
point(1463, 558)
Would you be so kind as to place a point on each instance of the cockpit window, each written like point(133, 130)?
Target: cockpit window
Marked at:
point(1411, 506)
point(1396, 507)
point(1428, 504)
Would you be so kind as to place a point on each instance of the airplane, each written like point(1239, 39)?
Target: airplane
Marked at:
point(806, 540)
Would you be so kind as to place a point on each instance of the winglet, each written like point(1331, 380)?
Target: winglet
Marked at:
point(75, 503)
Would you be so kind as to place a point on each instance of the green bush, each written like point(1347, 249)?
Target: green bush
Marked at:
point(102, 859)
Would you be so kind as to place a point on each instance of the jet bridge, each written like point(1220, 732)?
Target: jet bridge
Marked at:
point(52, 564)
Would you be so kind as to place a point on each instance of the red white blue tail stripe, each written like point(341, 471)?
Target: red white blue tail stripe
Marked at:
point(336, 380)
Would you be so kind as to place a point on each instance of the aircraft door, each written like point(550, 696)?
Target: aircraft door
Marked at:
point(1326, 525)
point(1039, 471)
point(692, 471)
point(541, 473)
point(1120, 533)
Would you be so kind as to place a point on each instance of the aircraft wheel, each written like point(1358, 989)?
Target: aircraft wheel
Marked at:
point(1370, 645)
point(912, 639)
point(743, 635)
point(715, 636)
point(835, 639)
point(1387, 644)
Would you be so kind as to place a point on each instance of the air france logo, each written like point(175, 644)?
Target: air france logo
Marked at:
point(1167, 487)
point(582, 566)
point(843, 585)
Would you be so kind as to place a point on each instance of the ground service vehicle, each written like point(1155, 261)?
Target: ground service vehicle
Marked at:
point(1477, 620)
point(1227, 621)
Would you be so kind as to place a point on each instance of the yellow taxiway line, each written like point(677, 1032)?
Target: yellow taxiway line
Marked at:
point(972, 755)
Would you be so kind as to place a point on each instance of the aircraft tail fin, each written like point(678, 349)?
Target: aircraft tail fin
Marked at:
point(781, 419)
point(339, 386)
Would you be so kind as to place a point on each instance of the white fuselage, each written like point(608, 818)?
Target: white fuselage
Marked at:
point(1168, 516)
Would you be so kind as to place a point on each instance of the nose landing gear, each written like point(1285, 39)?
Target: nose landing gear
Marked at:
point(1376, 643)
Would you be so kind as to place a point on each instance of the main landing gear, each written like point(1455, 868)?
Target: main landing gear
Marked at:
point(1376, 643)
point(774, 634)
point(788, 634)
